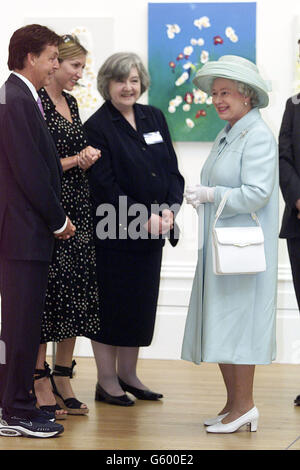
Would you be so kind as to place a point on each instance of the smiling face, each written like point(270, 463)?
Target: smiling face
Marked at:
point(124, 92)
point(69, 72)
point(230, 104)
point(43, 66)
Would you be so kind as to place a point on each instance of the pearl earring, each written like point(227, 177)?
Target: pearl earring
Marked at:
point(246, 104)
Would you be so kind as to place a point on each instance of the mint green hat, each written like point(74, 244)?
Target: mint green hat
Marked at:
point(233, 67)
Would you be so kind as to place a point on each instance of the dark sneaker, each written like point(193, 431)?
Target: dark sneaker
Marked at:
point(35, 427)
point(49, 415)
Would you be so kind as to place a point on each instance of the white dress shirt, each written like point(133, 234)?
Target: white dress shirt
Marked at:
point(35, 96)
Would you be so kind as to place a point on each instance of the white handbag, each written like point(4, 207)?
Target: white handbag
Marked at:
point(237, 250)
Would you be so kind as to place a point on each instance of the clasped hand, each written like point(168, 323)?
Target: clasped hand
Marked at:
point(160, 225)
point(198, 194)
point(87, 157)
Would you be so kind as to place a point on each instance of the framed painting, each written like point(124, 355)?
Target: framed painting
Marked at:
point(182, 38)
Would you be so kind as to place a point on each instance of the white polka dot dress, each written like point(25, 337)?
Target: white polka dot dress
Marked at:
point(72, 304)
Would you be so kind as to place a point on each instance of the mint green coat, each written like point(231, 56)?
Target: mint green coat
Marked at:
point(231, 319)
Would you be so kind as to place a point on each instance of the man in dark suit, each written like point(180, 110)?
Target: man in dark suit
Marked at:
point(289, 168)
point(31, 217)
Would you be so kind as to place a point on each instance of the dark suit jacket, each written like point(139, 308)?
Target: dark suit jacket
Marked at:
point(30, 177)
point(146, 174)
point(289, 167)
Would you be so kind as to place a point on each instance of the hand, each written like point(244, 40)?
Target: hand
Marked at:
point(168, 218)
point(68, 232)
point(87, 157)
point(157, 225)
point(196, 195)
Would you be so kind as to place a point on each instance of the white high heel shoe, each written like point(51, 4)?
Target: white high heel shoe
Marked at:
point(250, 418)
point(215, 420)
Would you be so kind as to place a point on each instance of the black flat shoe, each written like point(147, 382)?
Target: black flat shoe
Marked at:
point(121, 400)
point(138, 393)
point(297, 400)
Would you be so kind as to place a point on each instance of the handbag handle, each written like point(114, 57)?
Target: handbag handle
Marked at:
point(222, 205)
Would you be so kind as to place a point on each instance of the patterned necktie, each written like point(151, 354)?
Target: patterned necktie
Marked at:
point(39, 102)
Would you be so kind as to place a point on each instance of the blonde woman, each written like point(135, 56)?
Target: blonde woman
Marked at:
point(71, 307)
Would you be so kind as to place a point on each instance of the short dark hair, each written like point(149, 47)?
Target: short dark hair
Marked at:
point(32, 38)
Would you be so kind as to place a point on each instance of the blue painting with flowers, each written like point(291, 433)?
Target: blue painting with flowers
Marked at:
point(182, 38)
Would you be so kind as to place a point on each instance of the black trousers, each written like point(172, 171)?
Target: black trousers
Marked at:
point(23, 287)
point(293, 245)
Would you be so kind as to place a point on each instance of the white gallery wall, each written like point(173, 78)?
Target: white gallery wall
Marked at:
point(276, 56)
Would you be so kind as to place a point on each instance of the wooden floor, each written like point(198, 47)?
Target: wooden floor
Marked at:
point(192, 393)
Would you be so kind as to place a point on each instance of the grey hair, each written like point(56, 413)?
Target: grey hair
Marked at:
point(243, 89)
point(118, 66)
point(248, 92)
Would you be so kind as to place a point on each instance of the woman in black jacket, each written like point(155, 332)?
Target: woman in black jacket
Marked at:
point(136, 191)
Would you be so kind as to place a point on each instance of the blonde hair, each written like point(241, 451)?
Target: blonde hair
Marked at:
point(70, 47)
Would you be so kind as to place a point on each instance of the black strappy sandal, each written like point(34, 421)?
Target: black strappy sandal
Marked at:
point(51, 409)
point(71, 405)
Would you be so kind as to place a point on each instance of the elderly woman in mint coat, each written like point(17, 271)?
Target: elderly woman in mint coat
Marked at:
point(231, 318)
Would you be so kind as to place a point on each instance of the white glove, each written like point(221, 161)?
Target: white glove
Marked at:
point(199, 194)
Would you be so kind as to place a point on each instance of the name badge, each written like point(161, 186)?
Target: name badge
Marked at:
point(153, 138)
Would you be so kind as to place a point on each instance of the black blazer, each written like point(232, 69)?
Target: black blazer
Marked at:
point(30, 177)
point(289, 167)
point(146, 174)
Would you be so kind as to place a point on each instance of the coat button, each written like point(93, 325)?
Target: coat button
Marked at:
point(144, 148)
point(153, 174)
